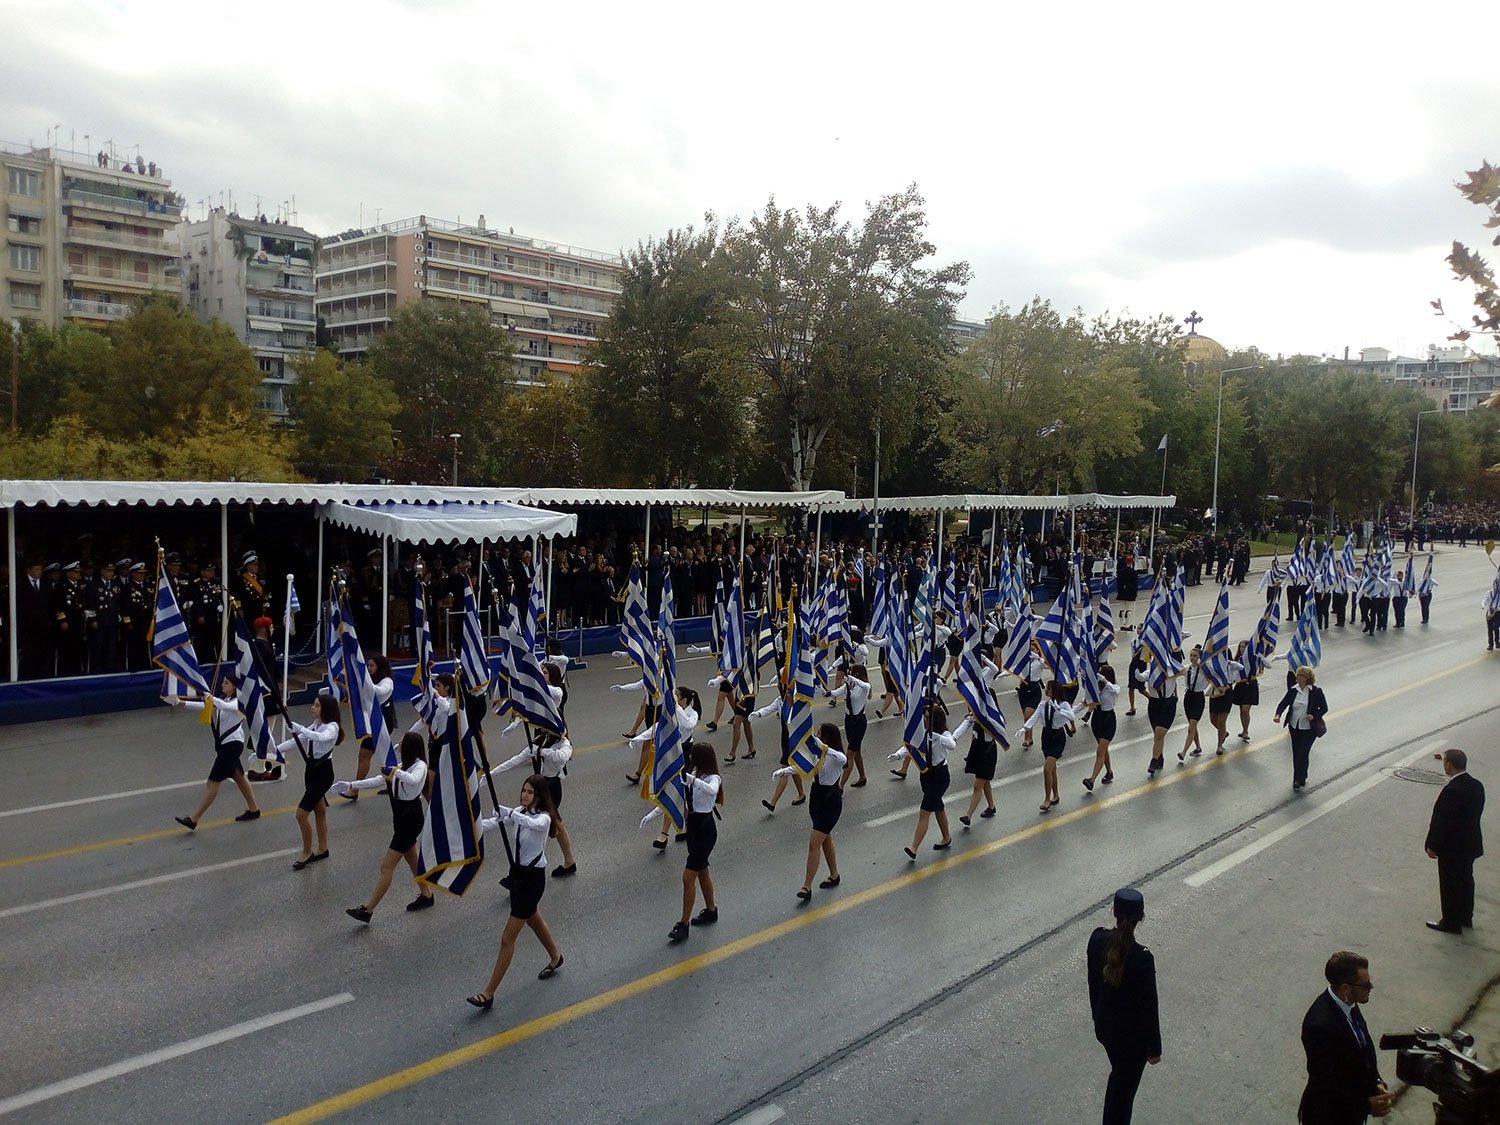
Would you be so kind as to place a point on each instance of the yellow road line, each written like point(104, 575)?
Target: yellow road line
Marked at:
point(438, 1064)
point(121, 841)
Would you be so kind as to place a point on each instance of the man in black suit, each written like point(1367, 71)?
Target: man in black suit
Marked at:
point(1343, 1082)
point(34, 622)
point(1454, 840)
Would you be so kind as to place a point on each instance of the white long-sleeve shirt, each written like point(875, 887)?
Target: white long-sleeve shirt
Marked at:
point(1055, 714)
point(940, 745)
point(532, 829)
point(555, 759)
point(832, 767)
point(384, 688)
point(687, 722)
point(406, 785)
point(318, 740)
point(446, 705)
point(1109, 694)
point(703, 792)
point(229, 722)
point(858, 692)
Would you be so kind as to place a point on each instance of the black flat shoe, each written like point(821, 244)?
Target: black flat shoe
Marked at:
point(350, 796)
point(660, 843)
point(1196, 752)
point(480, 1000)
point(1088, 783)
point(860, 784)
point(706, 917)
point(632, 780)
point(187, 822)
point(799, 801)
point(898, 775)
point(248, 814)
point(299, 864)
point(1107, 778)
point(1444, 928)
point(711, 727)
point(550, 971)
point(988, 813)
point(317, 856)
point(804, 894)
point(829, 884)
point(1043, 807)
point(561, 872)
point(768, 806)
point(965, 821)
point(421, 902)
point(942, 845)
point(359, 914)
point(681, 837)
point(678, 933)
point(911, 855)
point(748, 755)
point(729, 761)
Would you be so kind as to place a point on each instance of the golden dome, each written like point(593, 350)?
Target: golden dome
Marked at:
point(1201, 349)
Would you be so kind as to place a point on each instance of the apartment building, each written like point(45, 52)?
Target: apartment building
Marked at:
point(1456, 379)
point(86, 235)
point(255, 275)
point(552, 298)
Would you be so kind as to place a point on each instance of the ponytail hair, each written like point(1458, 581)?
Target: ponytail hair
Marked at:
point(1117, 951)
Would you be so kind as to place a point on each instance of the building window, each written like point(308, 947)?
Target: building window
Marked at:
point(23, 181)
point(27, 258)
point(25, 296)
point(23, 224)
point(142, 272)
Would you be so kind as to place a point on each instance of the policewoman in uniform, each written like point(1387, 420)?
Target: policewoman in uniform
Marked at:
point(1122, 998)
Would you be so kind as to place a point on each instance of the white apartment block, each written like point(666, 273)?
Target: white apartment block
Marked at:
point(1456, 379)
point(553, 299)
point(86, 234)
point(256, 276)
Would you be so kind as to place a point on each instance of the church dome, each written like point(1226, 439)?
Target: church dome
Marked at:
point(1201, 349)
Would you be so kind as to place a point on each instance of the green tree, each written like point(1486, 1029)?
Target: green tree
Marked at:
point(670, 368)
point(452, 371)
point(551, 438)
point(835, 315)
point(164, 374)
point(48, 361)
point(1038, 402)
point(342, 414)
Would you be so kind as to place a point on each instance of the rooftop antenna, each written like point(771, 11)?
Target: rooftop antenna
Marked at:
point(377, 215)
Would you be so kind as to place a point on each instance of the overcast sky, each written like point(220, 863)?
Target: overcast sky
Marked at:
point(1285, 169)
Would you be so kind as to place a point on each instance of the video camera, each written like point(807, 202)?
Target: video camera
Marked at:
point(1468, 1093)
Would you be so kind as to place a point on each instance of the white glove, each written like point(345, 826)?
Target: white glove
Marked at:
point(616, 687)
point(621, 655)
point(339, 788)
point(175, 701)
point(654, 814)
point(784, 771)
point(899, 756)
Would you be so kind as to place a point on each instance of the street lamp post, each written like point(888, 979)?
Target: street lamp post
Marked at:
point(454, 438)
point(1411, 515)
point(1218, 422)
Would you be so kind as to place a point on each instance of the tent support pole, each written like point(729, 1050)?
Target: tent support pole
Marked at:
point(10, 591)
point(385, 590)
point(224, 573)
point(320, 581)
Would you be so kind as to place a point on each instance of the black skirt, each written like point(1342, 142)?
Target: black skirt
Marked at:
point(227, 761)
point(1029, 692)
point(1103, 724)
point(702, 835)
point(854, 730)
point(527, 884)
point(317, 777)
point(555, 785)
point(1246, 693)
point(1192, 704)
point(934, 785)
point(955, 645)
point(1162, 712)
point(1221, 704)
point(743, 706)
point(983, 755)
point(825, 807)
point(406, 824)
point(1054, 742)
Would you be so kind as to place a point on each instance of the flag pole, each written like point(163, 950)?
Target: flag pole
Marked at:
point(1157, 508)
point(286, 644)
point(484, 758)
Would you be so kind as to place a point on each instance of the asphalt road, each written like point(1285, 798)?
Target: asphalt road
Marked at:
point(151, 974)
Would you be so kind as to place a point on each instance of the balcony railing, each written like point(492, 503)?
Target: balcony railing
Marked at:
point(334, 265)
point(99, 202)
point(98, 310)
point(559, 277)
point(159, 246)
point(110, 276)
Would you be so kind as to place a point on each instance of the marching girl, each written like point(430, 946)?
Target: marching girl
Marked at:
point(407, 818)
point(534, 820)
point(705, 792)
point(826, 808)
point(548, 758)
point(687, 721)
point(317, 742)
point(854, 652)
point(1246, 693)
point(983, 756)
point(725, 696)
point(948, 639)
point(855, 691)
point(645, 722)
point(1102, 726)
point(228, 727)
point(1029, 693)
point(892, 689)
point(935, 779)
point(385, 686)
point(444, 708)
point(741, 707)
point(1056, 718)
point(1161, 710)
point(786, 746)
point(1193, 695)
point(1137, 667)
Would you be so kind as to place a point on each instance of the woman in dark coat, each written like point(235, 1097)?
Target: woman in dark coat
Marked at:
point(1122, 997)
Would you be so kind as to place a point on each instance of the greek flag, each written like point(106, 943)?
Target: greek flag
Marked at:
point(666, 619)
point(536, 609)
point(1274, 575)
point(880, 612)
point(1218, 664)
point(948, 597)
point(1307, 647)
point(452, 846)
point(1424, 587)
point(975, 686)
point(1161, 633)
point(526, 689)
point(914, 691)
point(1347, 565)
point(765, 645)
point(253, 695)
point(796, 707)
point(369, 721)
point(293, 607)
point(1327, 574)
point(1052, 638)
point(1408, 581)
point(1263, 640)
point(1021, 577)
point(172, 647)
point(338, 677)
point(733, 660)
point(922, 606)
point(421, 676)
point(1003, 576)
point(471, 654)
point(636, 635)
point(716, 621)
point(668, 757)
point(1103, 630)
point(1017, 655)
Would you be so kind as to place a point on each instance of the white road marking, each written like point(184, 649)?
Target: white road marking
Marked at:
point(1249, 851)
point(102, 797)
point(165, 1054)
point(765, 1115)
point(172, 877)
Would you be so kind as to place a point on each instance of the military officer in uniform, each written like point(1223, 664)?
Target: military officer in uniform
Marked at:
point(70, 635)
point(247, 588)
point(207, 613)
point(103, 610)
point(135, 619)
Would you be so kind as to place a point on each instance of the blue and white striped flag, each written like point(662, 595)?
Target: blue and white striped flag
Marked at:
point(1161, 633)
point(369, 720)
point(716, 619)
point(977, 689)
point(733, 659)
point(1307, 647)
point(421, 677)
point(880, 611)
point(338, 677)
point(1217, 660)
point(536, 609)
point(637, 637)
point(666, 619)
point(1263, 640)
point(668, 756)
point(922, 605)
point(1103, 628)
point(451, 845)
point(765, 645)
point(796, 705)
point(1408, 581)
point(526, 690)
point(254, 695)
point(1424, 587)
point(1328, 579)
point(478, 676)
point(172, 647)
point(1347, 565)
point(1017, 655)
point(293, 607)
point(914, 692)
